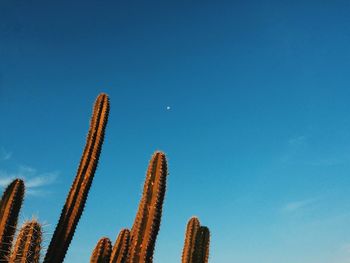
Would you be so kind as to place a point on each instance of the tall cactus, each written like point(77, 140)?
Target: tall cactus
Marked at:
point(10, 206)
point(121, 246)
point(196, 247)
point(102, 251)
point(193, 226)
point(146, 225)
point(78, 193)
point(28, 243)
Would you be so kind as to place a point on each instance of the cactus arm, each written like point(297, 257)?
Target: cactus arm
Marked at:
point(10, 206)
point(120, 248)
point(147, 221)
point(77, 196)
point(28, 243)
point(193, 226)
point(102, 251)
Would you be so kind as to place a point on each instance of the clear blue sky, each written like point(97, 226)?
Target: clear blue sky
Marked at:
point(257, 136)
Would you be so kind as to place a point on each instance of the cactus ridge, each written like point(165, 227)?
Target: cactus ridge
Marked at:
point(201, 251)
point(193, 226)
point(28, 244)
point(121, 246)
point(78, 193)
point(147, 222)
point(102, 251)
point(10, 206)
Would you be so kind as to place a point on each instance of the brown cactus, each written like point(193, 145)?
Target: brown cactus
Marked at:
point(78, 193)
point(10, 206)
point(193, 226)
point(201, 251)
point(28, 242)
point(120, 248)
point(196, 247)
point(102, 251)
point(146, 225)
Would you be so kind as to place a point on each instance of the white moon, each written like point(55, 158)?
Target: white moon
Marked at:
point(168, 107)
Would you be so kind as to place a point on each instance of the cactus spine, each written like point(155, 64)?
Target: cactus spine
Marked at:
point(121, 246)
point(10, 206)
point(196, 247)
point(28, 242)
point(102, 251)
point(77, 196)
point(146, 225)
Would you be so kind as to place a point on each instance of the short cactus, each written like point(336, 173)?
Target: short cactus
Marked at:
point(102, 251)
point(121, 246)
point(196, 247)
point(191, 232)
point(28, 244)
point(146, 225)
point(77, 196)
point(201, 251)
point(10, 206)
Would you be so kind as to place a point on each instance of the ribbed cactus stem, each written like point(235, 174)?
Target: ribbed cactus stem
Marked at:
point(10, 206)
point(28, 244)
point(201, 251)
point(146, 225)
point(102, 251)
point(192, 228)
point(121, 246)
point(78, 193)
point(196, 247)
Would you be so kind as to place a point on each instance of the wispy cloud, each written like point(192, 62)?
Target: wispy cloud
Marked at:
point(294, 146)
point(331, 161)
point(34, 181)
point(296, 141)
point(5, 155)
point(345, 247)
point(343, 254)
point(297, 149)
point(292, 207)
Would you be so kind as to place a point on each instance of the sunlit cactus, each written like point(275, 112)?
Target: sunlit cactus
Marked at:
point(77, 196)
point(196, 247)
point(102, 251)
point(120, 248)
point(10, 206)
point(190, 239)
point(146, 225)
point(132, 246)
point(28, 244)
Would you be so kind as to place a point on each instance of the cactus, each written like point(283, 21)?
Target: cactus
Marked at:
point(28, 242)
point(201, 251)
point(191, 231)
point(77, 196)
point(121, 246)
point(134, 246)
point(196, 247)
point(10, 206)
point(146, 225)
point(102, 251)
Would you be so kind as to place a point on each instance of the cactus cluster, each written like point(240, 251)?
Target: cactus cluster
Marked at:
point(132, 246)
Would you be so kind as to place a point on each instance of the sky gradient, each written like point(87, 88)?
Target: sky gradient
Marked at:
point(257, 135)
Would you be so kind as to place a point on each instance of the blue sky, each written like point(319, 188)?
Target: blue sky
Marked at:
point(257, 136)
